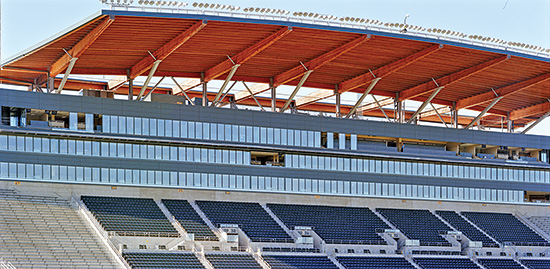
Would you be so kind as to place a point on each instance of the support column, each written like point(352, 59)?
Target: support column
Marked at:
point(273, 95)
point(509, 124)
point(337, 94)
point(398, 109)
point(50, 83)
point(204, 91)
point(130, 86)
point(454, 116)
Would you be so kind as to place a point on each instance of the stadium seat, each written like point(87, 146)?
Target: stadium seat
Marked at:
point(466, 228)
point(130, 216)
point(536, 264)
point(141, 260)
point(375, 262)
point(505, 227)
point(418, 224)
point(251, 217)
point(46, 232)
point(500, 264)
point(335, 225)
point(447, 263)
point(299, 262)
point(190, 220)
point(232, 261)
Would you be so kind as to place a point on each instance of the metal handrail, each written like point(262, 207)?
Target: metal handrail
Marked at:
point(6, 265)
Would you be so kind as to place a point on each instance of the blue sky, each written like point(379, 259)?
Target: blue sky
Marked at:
point(27, 22)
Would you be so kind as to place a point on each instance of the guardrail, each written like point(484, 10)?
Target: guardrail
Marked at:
point(6, 265)
point(82, 209)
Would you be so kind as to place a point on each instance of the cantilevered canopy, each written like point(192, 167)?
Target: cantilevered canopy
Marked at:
point(330, 58)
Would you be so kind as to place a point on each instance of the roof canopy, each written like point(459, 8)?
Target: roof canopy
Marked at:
point(333, 59)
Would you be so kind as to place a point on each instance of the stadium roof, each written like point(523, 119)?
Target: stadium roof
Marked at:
point(329, 56)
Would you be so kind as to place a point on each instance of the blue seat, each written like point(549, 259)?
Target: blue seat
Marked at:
point(466, 228)
point(299, 262)
point(334, 224)
point(251, 218)
point(130, 216)
point(418, 224)
point(351, 262)
point(505, 227)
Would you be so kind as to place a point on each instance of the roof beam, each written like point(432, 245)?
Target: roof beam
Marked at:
point(245, 55)
point(312, 64)
point(163, 52)
point(529, 111)
point(482, 113)
point(449, 79)
point(77, 50)
point(367, 77)
point(502, 92)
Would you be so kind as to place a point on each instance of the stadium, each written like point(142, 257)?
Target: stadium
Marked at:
point(226, 138)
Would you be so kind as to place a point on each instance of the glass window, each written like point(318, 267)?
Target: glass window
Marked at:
point(256, 133)
point(114, 124)
point(234, 133)
point(190, 129)
point(28, 144)
point(277, 136)
point(206, 130)
point(121, 125)
point(106, 123)
point(145, 126)
point(227, 132)
point(297, 138)
point(198, 132)
point(161, 127)
point(213, 131)
point(129, 125)
point(242, 133)
point(221, 132)
point(263, 135)
point(183, 129)
point(176, 128)
point(153, 126)
point(284, 137)
point(37, 144)
point(169, 128)
point(138, 126)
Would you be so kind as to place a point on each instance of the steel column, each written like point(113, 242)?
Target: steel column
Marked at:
point(338, 101)
point(425, 103)
point(293, 94)
point(151, 73)
point(474, 121)
point(273, 95)
point(365, 93)
point(183, 92)
point(255, 99)
point(153, 89)
point(66, 76)
point(204, 90)
point(536, 122)
point(225, 83)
